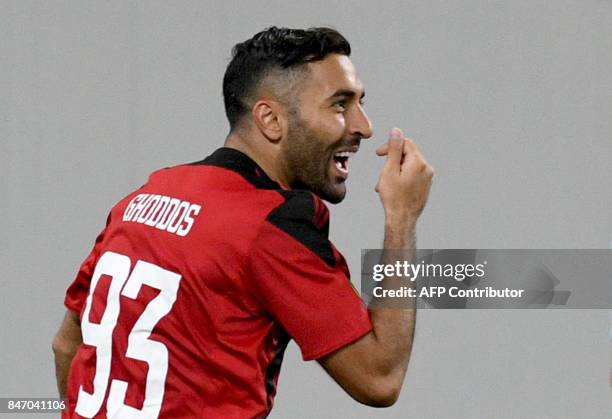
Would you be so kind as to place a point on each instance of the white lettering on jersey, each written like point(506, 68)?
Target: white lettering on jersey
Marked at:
point(140, 345)
point(162, 212)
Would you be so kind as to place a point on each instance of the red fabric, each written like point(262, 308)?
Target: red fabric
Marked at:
point(312, 301)
point(243, 283)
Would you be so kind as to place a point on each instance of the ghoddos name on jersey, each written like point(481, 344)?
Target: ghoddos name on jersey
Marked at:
point(162, 212)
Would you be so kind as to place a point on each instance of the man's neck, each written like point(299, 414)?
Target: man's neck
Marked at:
point(266, 161)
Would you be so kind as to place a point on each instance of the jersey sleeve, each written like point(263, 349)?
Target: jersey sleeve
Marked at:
point(303, 281)
point(79, 288)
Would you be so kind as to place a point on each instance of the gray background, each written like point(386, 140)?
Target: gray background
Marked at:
point(510, 101)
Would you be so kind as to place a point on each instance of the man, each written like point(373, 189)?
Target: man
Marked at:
point(198, 281)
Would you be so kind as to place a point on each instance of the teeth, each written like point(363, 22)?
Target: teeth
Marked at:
point(345, 154)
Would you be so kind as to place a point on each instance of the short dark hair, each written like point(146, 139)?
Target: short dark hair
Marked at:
point(273, 49)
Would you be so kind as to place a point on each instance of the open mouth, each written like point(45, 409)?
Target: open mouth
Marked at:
point(341, 159)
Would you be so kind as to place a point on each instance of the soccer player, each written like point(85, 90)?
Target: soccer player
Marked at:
point(200, 278)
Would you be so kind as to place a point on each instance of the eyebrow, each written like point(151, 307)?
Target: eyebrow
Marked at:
point(347, 93)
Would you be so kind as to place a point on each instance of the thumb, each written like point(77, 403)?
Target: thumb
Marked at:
point(396, 146)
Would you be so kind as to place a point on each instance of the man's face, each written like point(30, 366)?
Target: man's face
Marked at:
point(325, 128)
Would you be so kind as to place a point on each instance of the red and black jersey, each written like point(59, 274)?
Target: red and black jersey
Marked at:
point(194, 288)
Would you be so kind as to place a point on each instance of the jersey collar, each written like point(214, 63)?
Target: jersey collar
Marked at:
point(237, 161)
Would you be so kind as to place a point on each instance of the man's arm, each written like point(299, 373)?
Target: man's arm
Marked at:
point(372, 369)
point(65, 344)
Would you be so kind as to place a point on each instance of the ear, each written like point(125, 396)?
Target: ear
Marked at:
point(269, 117)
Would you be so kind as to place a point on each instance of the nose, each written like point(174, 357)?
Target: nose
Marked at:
point(360, 123)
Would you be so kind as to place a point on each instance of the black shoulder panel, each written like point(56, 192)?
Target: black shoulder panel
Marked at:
point(299, 217)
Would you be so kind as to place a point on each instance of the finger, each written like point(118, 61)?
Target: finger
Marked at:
point(410, 153)
point(382, 150)
point(417, 165)
point(409, 146)
point(394, 156)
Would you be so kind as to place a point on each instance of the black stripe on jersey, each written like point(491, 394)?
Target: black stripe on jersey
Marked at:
point(274, 367)
point(297, 217)
point(232, 159)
